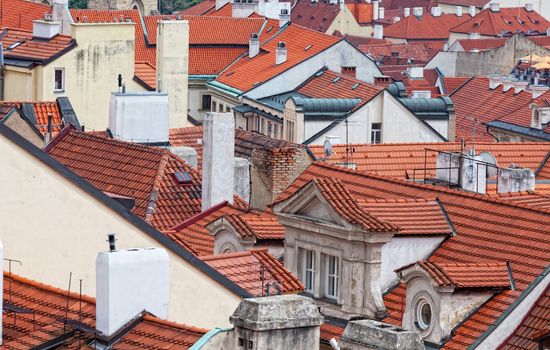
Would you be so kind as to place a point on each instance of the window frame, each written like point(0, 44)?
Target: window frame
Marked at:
point(55, 70)
point(376, 134)
point(203, 107)
point(309, 257)
point(332, 279)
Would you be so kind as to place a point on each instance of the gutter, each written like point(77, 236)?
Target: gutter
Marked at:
point(202, 77)
point(225, 88)
point(208, 336)
point(510, 309)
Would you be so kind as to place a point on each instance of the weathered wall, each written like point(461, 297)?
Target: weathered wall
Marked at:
point(20, 126)
point(346, 23)
point(18, 84)
point(146, 7)
point(68, 229)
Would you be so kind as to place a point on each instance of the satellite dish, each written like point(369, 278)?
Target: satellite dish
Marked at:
point(488, 157)
point(328, 148)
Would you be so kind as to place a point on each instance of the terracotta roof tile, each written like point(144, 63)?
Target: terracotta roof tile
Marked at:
point(143, 173)
point(522, 116)
point(534, 325)
point(418, 51)
point(314, 15)
point(362, 11)
point(538, 199)
point(199, 9)
point(544, 169)
point(39, 51)
point(487, 230)
point(259, 226)
point(41, 111)
point(453, 83)
point(400, 160)
point(301, 43)
point(395, 301)
point(427, 27)
point(481, 44)
point(476, 3)
point(253, 270)
point(507, 20)
point(329, 331)
point(21, 13)
point(468, 275)
point(147, 74)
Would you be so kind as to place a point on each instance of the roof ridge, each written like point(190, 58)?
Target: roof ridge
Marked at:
point(155, 190)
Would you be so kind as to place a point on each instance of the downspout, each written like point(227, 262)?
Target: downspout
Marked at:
point(1, 72)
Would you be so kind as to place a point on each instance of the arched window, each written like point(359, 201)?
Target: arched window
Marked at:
point(137, 5)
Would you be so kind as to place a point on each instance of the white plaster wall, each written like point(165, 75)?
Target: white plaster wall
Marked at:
point(56, 228)
point(441, 126)
point(402, 251)
point(340, 54)
point(195, 101)
point(445, 61)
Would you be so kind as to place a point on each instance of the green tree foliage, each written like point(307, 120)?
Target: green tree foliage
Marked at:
point(171, 6)
point(78, 4)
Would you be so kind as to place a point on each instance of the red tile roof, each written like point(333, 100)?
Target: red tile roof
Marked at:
point(476, 3)
point(468, 275)
point(49, 307)
point(42, 110)
point(314, 15)
point(481, 44)
point(302, 43)
point(395, 301)
point(508, 20)
point(416, 50)
point(400, 160)
point(427, 27)
point(522, 115)
point(487, 230)
point(39, 51)
point(146, 74)
point(254, 225)
point(21, 13)
point(253, 270)
point(199, 9)
point(362, 11)
point(475, 99)
point(453, 83)
point(329, 331)
point(544, 171)
point(534, 325)
point(131, 170)
point(539, 199)
point(543, 41)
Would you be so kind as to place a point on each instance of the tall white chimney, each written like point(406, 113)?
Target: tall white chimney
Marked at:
point(436, 11)
point(381, 13)
point(129, 282)
point(253, 45)
point(172, 67)
point(375, 6)
point(418, 11)
point(280, 53)
point(406, 12)
point(472, 11)
point(284, 17)
point(459, 11)
point(61, 14)
point(494, 7)
point(218, 144)
point(378, 31)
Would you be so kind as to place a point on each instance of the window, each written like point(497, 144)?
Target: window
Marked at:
point(227, 109)
point(331, 290)
point(376, 133)
point(214, 106)
point(59, 80)
point(290, 131)
point(423, 314)
point(269, 128)
point(309, 271)
point(220, 107)
point(206, 102)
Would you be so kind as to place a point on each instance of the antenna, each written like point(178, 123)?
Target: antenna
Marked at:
point(67, 304)
point(474, 120)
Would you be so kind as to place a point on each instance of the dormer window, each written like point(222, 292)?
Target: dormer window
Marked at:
point(536, 117)
point(423, 314)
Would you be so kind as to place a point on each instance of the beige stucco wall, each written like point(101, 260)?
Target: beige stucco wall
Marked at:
point(18, 84)
point(55, 228)
point(346, 23)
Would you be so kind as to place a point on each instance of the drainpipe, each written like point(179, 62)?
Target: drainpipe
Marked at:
point(1, 72)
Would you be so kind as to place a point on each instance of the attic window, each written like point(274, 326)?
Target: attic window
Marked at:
point(15, 44)
point(183, 178)
point(335, 80)
point(308, 47)
point(269, 29)
point(230, 74)
point(507, 21)
point(355, 86)
point(256, 83)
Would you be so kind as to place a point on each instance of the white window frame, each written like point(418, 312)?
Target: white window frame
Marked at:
point(309, 269)
point(332, 278)
point(55, 89)
point(375, 132)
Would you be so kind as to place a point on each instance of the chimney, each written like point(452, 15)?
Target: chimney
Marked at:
point(280, 53)
point(253, 45)
point(459, 11)
point(371, 334)
point(45, 29)
point(474, 36)
point(436, 11)
point(284, 17)
point(406, 12)
point(378, 31)
point(472, 11)
point(529, 7)
point(220, 4)
point(538, 90)
point(415, 72)
point(49, 129)
point(218, 167)
point(494, 82)
point(381, 13)
point(61, 14)
point(418, 11)
point(375, 7)
point(520, 86)
point(515, 179)
point(172, 67)
point(129, 282)
point(494, 7)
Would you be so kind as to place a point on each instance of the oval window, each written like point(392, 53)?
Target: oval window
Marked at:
point(423, 314)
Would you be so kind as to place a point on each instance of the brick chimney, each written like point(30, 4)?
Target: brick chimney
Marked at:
point(280, 53)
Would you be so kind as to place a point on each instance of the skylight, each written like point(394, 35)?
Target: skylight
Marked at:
point(15, 44)
point(308, 47)
point(355, 86)
point(183, 178)
point(335, 80)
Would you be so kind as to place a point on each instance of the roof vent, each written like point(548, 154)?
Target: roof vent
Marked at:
point(280, 53)
point(418, 11)
point(494, 7)
point(406, 12)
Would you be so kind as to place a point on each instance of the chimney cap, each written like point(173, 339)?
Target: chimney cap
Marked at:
point(281, 45)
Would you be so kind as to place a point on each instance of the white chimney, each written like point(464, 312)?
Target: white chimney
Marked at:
point(140, 117)
point(494, 7)
point(381, 13)
point(529, 7)
point(459, 11)
point(129, 282)
point(375, 6)
point(474, 36)
point(280, 53)
point(520, 86)
point(418, 11)
point(494, 82)
point(515, 179)
point(507, 84)
point(172, 67)
point(415, 72)
point(43, 29)
point(220, 4)
point(472, 11)
point(284, 17)
point(61, 14)
point(253, 45)
point(378, 31)
point(436, 11)
point(218, 167)
point(406, 12)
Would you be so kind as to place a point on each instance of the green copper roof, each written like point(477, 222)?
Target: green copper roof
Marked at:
point(326, 105)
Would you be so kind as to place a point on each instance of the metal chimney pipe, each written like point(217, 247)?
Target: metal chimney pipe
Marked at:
point(111, 238)
point(120, 83)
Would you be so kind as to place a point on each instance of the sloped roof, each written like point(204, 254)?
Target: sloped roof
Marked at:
point(301, 43)
point(200, 8)
point(42, 109)
point(451, 84)
point(361, 11)
point(426, 27)
point(487, 230)
point(468, 275)
point(481, 44)
point(507, 20)
point(21, 45)
point(417, 51)
point(131, 170)
point(534, 325)
point(257, 225)
point(538, 199)
point(544, 169)
point(395, 300)
point(329, 331)
point(146, 74)
point(21, 13)
point(247, 269)
point(49, 307)
point(400, 159)
point(314, 15)
point(476, 3)
point(522, 115)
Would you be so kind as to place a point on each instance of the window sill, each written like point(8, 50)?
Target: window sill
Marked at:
point(329, 300)
point(58, 91)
